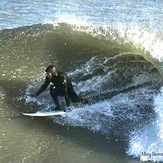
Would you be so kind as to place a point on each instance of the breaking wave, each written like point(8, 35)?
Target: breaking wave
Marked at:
point(117, 71)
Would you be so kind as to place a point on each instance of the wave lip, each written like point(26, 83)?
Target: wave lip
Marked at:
point(82, 36)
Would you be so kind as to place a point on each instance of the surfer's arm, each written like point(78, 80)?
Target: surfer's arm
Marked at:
point(43, 87)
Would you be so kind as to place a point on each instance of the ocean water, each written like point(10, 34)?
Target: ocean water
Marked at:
point(112, 51)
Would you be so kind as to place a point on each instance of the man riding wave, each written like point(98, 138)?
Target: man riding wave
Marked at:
point(60, 85)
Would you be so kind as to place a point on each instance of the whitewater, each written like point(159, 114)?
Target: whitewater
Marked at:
point(112, 51)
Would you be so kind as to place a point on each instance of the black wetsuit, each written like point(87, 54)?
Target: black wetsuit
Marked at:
point(60, 86)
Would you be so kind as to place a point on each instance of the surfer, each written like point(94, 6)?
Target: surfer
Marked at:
point(60, 85)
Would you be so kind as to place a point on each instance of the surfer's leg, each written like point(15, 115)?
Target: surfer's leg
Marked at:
point(67, 99)
point(54, 94)
point(73, 96)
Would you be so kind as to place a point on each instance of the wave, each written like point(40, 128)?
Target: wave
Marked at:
point(78, 38)
point(116, 108)
point(120, 79)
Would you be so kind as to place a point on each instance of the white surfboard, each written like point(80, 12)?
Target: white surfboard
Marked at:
point(44, 114)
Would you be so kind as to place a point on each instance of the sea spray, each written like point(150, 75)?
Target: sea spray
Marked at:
point(147, 142)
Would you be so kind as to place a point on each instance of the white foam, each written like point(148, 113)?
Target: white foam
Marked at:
point(147, 143)
point(70, 19)
point(144, 39)
point(89, 116)
point(90, 80)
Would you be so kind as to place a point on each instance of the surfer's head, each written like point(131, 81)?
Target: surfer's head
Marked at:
point(51, 70)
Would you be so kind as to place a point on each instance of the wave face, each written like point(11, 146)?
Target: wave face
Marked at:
point(113, 59)
point(119, 82)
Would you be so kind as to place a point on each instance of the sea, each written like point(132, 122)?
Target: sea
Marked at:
point(113, 52)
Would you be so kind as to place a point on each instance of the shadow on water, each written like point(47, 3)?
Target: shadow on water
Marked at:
point(14, 91)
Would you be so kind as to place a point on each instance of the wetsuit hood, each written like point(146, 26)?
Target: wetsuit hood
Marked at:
point(51, 68)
